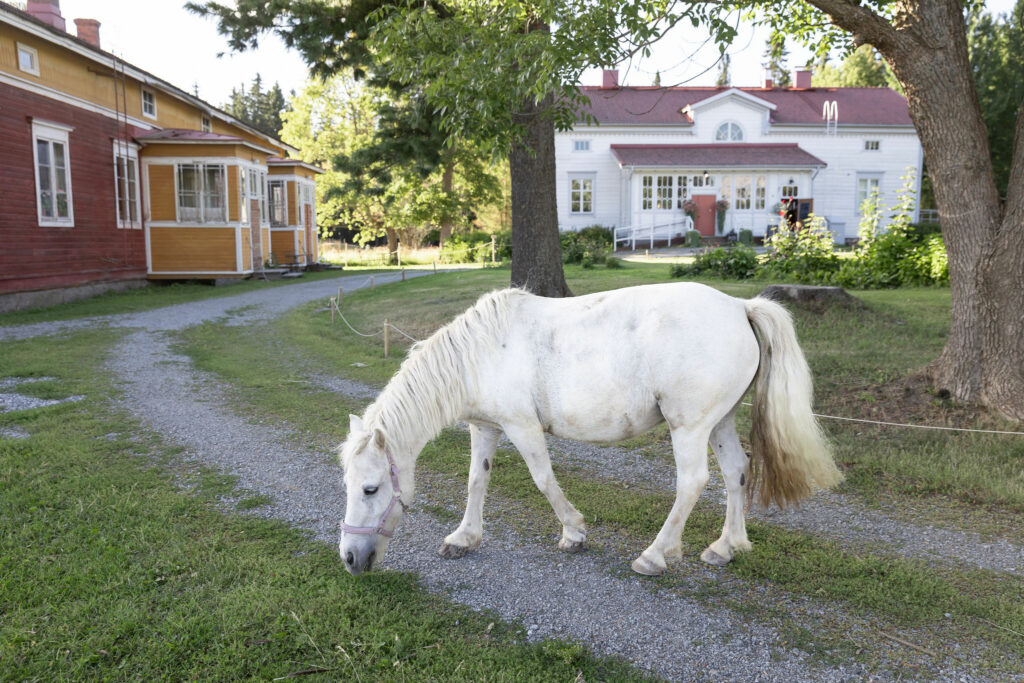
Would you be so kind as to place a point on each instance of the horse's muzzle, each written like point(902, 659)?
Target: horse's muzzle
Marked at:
point(358, 557)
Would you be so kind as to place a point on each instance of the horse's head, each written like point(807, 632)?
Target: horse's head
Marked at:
point(374, 497)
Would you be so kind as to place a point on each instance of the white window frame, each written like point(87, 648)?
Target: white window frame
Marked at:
point(583, 179)
point(51, 133)
point(581, 145)
point(130, 153)
point(33, 53)
point(858, 200)
point(204, 218)
point(733, 127)
point(743, 185)
point(264, 212)
point(872, 145)
point(790, 190)
point(152, 94)
point(205, 124)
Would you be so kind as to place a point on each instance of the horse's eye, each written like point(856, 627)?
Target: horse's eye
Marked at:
point(369, 490)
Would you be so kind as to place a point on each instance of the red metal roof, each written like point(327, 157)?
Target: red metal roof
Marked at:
point(652, 105)
point(716, 155)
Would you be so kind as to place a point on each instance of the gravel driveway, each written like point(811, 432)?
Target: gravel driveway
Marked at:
point(585, 597)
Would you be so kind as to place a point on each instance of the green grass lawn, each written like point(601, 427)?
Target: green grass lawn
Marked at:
point(864, 363)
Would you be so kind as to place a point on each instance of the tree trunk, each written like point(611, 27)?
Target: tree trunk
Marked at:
point(983, 360)
point(392, 236)
point(447, 183)
point(536, 248)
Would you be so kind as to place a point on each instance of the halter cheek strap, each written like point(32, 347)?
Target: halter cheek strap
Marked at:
point(395, 498)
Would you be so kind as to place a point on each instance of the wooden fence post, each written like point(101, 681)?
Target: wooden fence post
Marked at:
point(387, 339)
point(403, 274)
point(332, 309)
point(371, 283)
point(493, 250)
point(341, 293)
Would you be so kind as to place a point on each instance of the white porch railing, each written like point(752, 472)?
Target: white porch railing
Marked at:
point(665, 231)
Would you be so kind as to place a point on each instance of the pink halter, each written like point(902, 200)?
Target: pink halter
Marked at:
point(395, 498)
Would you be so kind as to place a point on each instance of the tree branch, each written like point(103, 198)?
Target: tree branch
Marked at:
point(865, 25)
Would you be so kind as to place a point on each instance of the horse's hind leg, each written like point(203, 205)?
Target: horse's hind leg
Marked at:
point(733, 463)
point(534, 449)
point(690, 446)
point(484, 441)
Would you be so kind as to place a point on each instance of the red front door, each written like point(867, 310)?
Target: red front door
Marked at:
point(705, 221)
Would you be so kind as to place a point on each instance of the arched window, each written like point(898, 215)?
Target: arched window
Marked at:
point(729, 132)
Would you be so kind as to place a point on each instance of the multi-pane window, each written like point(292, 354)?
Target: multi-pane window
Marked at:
point(126, 185)
point(647, 192)
point(872, 145)
point(867, 185)
point(759, 193)
point(581, 194)
point(28, 59)
point(664, 196)
point(581, 145)
point(53, 174)
point(206, 124)
point(726, 192)
point(729, 132)
point(682, 191)
point(278, 206)
point(201, 193)
point(148, 103)
point(790, 191)
point(742, 193)
point(262, 189)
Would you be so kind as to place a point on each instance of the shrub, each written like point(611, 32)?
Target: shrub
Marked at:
point(693, 240)
point(475, 247)
point(806, 255)
point(738, 262)
point(612, 263)
point(746, 237)
point(587, 245)
point(900, 255)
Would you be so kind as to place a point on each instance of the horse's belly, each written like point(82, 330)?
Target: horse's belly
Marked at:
point(603, 422)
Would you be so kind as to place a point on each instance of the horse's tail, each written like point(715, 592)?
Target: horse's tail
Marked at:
point(791, 456)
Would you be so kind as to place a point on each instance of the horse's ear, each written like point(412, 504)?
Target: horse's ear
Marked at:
point(378, 438)
point(354, 424)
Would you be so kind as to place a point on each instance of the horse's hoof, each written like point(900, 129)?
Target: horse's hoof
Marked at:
point(713, 558)
point(452, 552)
point(642, 565)
point(571, 546)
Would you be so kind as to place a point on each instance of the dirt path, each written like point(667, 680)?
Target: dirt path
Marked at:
point(587, 597)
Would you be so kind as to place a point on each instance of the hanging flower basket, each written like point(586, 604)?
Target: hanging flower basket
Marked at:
point(722, 206)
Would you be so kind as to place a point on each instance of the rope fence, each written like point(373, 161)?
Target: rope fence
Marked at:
point(335, 304)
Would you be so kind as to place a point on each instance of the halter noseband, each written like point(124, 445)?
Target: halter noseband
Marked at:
point(395, 498)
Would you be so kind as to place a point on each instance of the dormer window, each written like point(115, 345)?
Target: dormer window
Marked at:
point(206, 124)
point(729, 132)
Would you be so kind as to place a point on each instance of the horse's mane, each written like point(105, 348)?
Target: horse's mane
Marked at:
point(430, 389)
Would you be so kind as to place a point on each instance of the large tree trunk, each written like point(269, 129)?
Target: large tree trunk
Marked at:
point(926, 46)
point(392, 236)
point(536, 248)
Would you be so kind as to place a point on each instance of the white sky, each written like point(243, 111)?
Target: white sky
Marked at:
point(163, 38)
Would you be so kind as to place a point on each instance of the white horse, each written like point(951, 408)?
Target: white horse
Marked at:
point(602, 367)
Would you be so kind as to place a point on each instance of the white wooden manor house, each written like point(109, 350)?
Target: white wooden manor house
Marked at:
point(654, 148)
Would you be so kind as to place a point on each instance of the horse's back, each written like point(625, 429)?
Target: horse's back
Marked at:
point(607, 366)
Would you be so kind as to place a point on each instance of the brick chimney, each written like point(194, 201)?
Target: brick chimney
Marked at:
point(803, 78)
point(610, 78)
point(47, 11)
point(89, 31)
point(768, 83)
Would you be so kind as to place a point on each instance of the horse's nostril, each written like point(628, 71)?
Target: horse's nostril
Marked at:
point(369, 559)
point(350, 559)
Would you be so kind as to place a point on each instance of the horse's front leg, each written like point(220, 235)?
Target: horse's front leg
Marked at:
point(484, 441)
point(532, 446)
point(690, 448)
